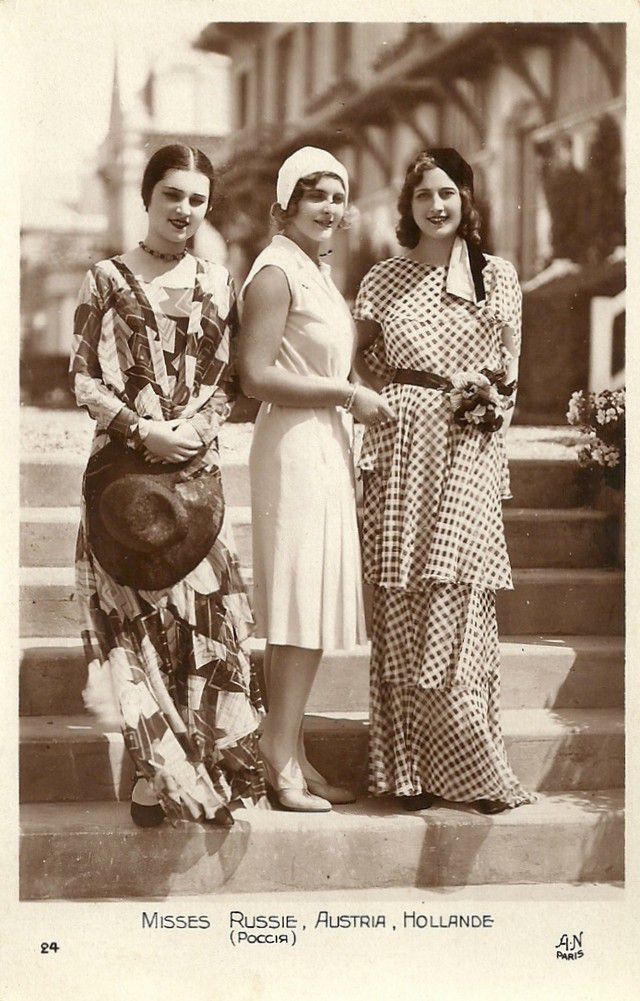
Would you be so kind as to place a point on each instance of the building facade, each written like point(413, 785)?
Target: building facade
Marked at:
point(526, 104)
point(185, 99)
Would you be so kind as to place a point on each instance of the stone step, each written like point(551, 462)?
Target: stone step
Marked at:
point(539, 672)
point(562, 537)
point(581, 602)
point(535, 482)
point(48, 536)
point(47, 602)
point(59, 483)
point(54, 483)
point(549, 601)
point(367, 899)
point(545, 483)
point(93, 851)
point(68, 758)
point(563, 672)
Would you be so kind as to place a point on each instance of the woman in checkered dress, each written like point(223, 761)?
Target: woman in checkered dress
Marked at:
point(433, 539)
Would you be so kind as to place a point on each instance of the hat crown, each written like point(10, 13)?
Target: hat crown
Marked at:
point(453, 164)
point(149, 525)
point(305, 161)
point(143, 514)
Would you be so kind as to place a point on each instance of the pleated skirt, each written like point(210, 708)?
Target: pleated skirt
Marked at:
point(307, 571)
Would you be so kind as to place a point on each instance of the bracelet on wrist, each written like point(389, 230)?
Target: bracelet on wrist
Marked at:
point(347, 406)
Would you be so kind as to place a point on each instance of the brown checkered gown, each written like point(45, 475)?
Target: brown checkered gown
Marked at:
point(433, 541)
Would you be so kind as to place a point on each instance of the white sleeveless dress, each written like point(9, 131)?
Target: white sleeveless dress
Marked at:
point(306, 550)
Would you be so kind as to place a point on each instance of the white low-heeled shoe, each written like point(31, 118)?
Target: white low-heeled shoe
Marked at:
point(291, 793)
point(333, 794)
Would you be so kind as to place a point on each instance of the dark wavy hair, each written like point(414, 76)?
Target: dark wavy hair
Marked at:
point(407, 229)
point(282, 216)
point(175, 157)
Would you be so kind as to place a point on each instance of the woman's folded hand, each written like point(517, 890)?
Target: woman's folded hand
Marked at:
point(170, 441)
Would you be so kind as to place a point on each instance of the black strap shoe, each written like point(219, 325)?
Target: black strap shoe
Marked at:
point(489, 806)
point(145, 815)
point(221, 818)
point(420, 802)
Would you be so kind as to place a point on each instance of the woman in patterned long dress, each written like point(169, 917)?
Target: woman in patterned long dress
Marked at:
point(296, 351)
point(434, 546)
point(151, 363)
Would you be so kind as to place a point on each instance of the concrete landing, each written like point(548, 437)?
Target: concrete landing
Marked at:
point(93, 850)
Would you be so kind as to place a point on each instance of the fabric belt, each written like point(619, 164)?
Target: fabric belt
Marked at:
point(427, 380)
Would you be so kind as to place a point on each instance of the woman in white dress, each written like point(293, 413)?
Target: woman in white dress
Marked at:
point(296, 349)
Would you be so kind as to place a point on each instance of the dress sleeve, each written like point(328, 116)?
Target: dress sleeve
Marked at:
point(506, 301)
point(370, 305)
point(91, 345)
point(220, 381)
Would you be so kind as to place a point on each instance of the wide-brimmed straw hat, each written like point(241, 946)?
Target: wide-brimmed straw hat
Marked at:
point(150, 525)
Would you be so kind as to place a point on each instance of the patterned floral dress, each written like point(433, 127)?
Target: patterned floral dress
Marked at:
point(433, 541)
point(171, 663)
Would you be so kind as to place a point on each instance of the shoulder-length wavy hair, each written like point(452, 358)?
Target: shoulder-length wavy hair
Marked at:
point(281, 217)
point(407, 229)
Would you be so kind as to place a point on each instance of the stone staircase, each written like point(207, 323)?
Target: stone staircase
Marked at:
point(563, 678)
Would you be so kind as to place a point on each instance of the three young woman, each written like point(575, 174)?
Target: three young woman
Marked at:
point(151, 363)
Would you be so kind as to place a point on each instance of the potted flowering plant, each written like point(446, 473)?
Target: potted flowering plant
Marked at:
point(600, 417)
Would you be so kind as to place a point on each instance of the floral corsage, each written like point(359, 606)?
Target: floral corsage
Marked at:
point(479, 399)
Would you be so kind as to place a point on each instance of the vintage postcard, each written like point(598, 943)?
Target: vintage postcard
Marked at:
point(314, 514)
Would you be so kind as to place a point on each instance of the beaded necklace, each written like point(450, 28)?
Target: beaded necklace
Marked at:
point(162, 257)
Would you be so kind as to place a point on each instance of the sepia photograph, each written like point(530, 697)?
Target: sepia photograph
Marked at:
point(322, 471)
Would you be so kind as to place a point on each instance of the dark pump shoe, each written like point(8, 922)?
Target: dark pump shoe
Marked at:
point(152, 814)
point(221, 818)
point(489, 806)
point(145, 814)
point(420, 802)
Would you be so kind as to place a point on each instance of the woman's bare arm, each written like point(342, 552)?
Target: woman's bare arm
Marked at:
point(267, 302)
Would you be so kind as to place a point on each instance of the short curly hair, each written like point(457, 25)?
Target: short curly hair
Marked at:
point(407, 229)
point(282, 216)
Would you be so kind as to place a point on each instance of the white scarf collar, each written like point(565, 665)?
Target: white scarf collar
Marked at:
point(459, 276)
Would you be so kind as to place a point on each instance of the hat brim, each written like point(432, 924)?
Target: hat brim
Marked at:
point(203, 500)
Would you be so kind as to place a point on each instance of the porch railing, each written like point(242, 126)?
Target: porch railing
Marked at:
point(604, 362)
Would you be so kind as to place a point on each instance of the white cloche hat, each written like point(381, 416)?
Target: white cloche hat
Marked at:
point(305, 161)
